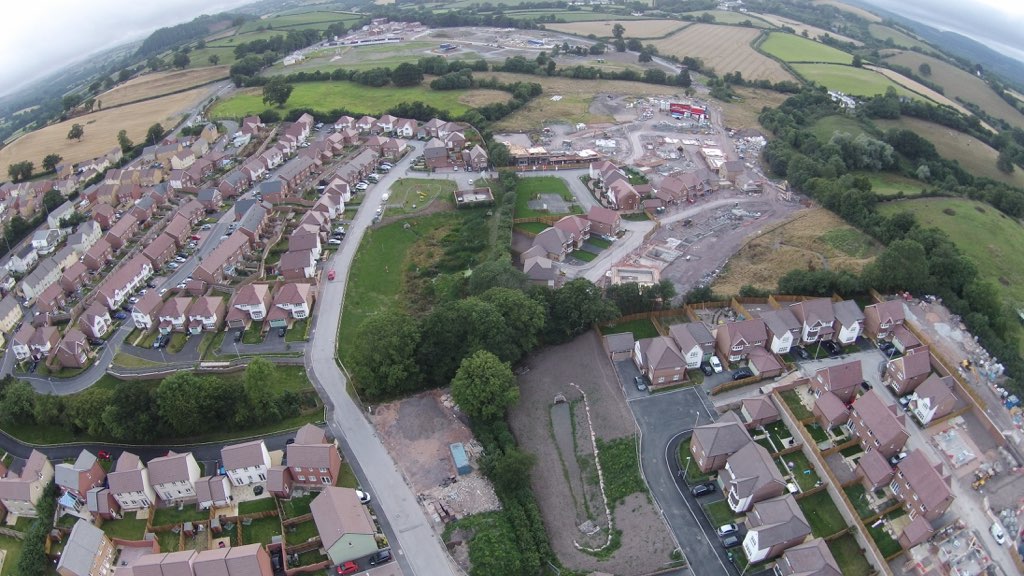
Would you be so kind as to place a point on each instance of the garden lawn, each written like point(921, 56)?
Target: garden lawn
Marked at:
point(253, 334)
point(857, 495)
point(346, 478)
point(822, 514)
point(817, 433)
point(640, 328)
point(297, 506)
point(886, 544)
point(583, 255)
point(800, 464)
point(792, 48)
point(793, 401)
point(169, 541)
point(253, 506)
point(126, 529)
point(531, 227)
point(301, 532)
point(297, 333)
point(849, 555)
point(355, 98)
point(13, 547)
point(599, 242)
point(693, 473)
point(719, 513)
point(178, 340)
point(777, 431)
point(173, 516)
point(261, 531)
point(528, 188)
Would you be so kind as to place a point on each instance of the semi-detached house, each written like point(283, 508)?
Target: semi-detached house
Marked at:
point(750, 476)
point(174, 476)
point(659, 360)
point(20, 493)
point(735, 339)
point(817, 319)
point(843, 380)
point(877, 425)
point(129, 483)
point(711, 445)
point(222, 261)
point(250, 302)
point(246, 463)
point(773, 526)
point(881, 318)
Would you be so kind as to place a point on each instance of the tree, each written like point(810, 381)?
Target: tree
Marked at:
point(484, 387)
point(925, 69)
point(857, 61)
point(179, 400)
point(645, 57)
point(276, 91)
point(154, 63)
point(496, 274)
point(49, 410)
point(384, 354)
point(134, 417)
point(524, 318)
point(50, 162)
point(20, 170)
point(52, 199)
point(619, 44)
point(154, 134)
point(123, 75)
point(201, 44)
point(70, 101)
point(1004, 162)
point(76, 132)
point(618, 30)
point(407, 74)
point(510, 470)
point(84, 411)
point(259, 380)
point(124, 142)
point(181, 60)
point(634, 45)
point(575, 307)
point(18, 405)
point(598, 48)
point(213, 59)
point(550, 68)
point(903, 265)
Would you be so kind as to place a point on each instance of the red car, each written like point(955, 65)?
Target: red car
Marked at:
point(103, 455)
point(330, 274)
point(347, 568)
point(196, 237)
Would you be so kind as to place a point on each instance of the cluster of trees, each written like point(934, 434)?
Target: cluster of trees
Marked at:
point(182, 405)
point(278, 45)
point(20, 171)
point(173, 36)
point(277, 91)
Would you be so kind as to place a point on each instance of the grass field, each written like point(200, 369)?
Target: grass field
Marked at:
point(957, 83)
point(160, 83)
point(850, 80)
point(886, 184)
point(743, 112)
point(851, 9)
point(639, 328)
point(826, 127)
point(200, 57)
point(357, 99)
point(419, 192)
point(791, 48)
point(724, 48)
point(898, 38)
point(726, 17)
point(812, 31)
point(634, 28)
point(973, 154)
point(529, 188)
point(299, 21)
point(101, 129)
point(814, 239)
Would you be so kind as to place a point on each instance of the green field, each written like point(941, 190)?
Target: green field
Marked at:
point(792, 48)
point(886, 184)
point(410, 195)
point(898, 38)
point(298, 21)
point(726, 17)
point(355, 98)
point(529, 188)
point(850, 80)
point(826, 127)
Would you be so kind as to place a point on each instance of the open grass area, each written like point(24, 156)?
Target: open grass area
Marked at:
point(297, 506)
point(410, 195)
point(566, 15)
point(641, 29)
point(850, 80)
point(742, 111)
point(898, 38)
point(822, 514)
point(793, 48)
point(887, 545)
point(850, 556)
point(530, 188)
point(355, 98)
point(297, 20)
point(887, 184)
point(795, 405)
point(128, 528)
point(690, 468)
point(126, 360)
point(826, 127)
point(531, 227)
point(13, 547)
point(869, 16)
point(725, 49)
point(812, 32)
point(253, 506)
point(261, 531)
point(160, 83)
point(297, 333)
point(640, 328)
point(346, 477)
point(719, 513)
point(728, 17)
point(802, 242)
point(172, 516)
point(621, 469)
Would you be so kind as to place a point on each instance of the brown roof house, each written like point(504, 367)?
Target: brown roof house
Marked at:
point(690, 349)
point(711, 445)
point(839, 379)
point(435, 153)
point(87, 552)
point(773, 526)
point(129, 483)
point(249, 560)
point(314, 462)
point(735, 339)
point(659, 360)
point(172, 315)
point(904, 339)
point(75, 479)
point(907, 372)
point(346, 529)
point(293, 301)
point(817, 319)
point(849, 321)
point(881, 318)
point(917, 531)
point(221, 263)
point(749, 476)
point(874, 469)
point(763, 363)
point(577, 230)
point(160, 250)
point(19, 493)
point(98, 256)
point(123, 231)
point(922, 486)
point(124, 280)
point(205, 314)
point(297, 265)
point(280, 481)
point(74, 277)
point(604, 221)
point(758, 411)
point(213, 491)
point(100, 502)
point(877, 425)
point(783, 329)
point(246, 463)
point(250, 302)
point(552, 243)
point(73, 350)
point(540, 269)
point(812, 558)
point(144, 313)
point(933, 399)
point(174, 476)
point(829, 410)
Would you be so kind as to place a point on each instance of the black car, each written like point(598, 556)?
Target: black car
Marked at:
point(731, 541)
point(238, 337)
point(97, 342)
point(32, 368)
point(888, 349)
point(381, 557)
point(831, 347)
point(865, 385)
point(281, 331)
point(703, 489)
point(802, 353)
point(742, 373)
point(707, 370)
point(150, 285)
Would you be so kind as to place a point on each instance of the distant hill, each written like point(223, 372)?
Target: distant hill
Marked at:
point(181, 34)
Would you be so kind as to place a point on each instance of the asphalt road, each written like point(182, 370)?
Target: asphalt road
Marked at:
point(413, 537)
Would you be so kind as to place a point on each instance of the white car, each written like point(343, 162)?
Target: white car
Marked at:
point(386, 196)
point(179, 260)
point(173, 265)
point(997, 532)
point(727, 529)
point(364, 498)
point(716, 364)
point(163, 291)
point(334, 242)
point(181, 286)
point(361, 186)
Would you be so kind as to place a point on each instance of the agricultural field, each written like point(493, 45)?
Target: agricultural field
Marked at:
point(898, 38)
point(813, 239)
point(743, 111)
point(724, 48)
point(356, 99)
point(974, 155)
point(101, 129)
point(298, 21)
point(851, 9)
point(634, 28)
point(850, 80)
point(160, 83)
point(919, 88)
point(727, 17)
point(200, 58)
point(812, 31)
point(957, 83)
point(365, 57)
point(792, 48)
point(567, 15)
point(988, 237)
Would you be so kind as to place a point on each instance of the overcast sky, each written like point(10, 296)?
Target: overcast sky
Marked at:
point(38, 37)
point(998, 24)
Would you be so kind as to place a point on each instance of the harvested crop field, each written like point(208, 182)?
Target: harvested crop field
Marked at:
point(101, 129)
point(851, 9)
point(919, 88)
point(800, 27)
point(814, 239)
point(850, 80)
point(724, 48)
point(727, 17)
point(634, 28)
point(160, 83)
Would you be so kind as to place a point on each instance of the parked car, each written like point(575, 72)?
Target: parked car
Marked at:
point(194, 237)
point(120, 316)
point(905, 402)
point(997, 532)
point(32, 368)
point(703, 489)
point(180, 286)
point(334, 242)
point(726, 529)
point(281, 331)
point(831, 347)
point(180, 260)
point(639, 381)
point(364, 498)
point(802, 352)
point(349, 567)
point(97, 341)
point(707, 370)
point(238, 337)
point(716, 364)
point(150, 285)
point(163, 291)
point(330, 274)
point(133, 300)
point(173, 265)
point(731, 541)
point(381, 557)
point(742, 373)
point(103, 455)
point(894, 460)
point(888, 348)
point(865, 385)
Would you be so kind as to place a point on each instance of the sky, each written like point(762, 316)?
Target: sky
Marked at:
point(38, 37)
point(998, 24)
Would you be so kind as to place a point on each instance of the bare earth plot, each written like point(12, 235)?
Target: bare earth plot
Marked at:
point(634, 28)
point(800, 27)
point(646, 546)
point(101, 129)
point(160, 83)
point(724, 48)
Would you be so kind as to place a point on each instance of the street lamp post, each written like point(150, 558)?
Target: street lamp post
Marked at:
point(686, 471)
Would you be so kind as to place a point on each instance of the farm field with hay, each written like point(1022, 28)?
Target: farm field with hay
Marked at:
point(727, 17)
point(356, 98)
point(160, 83)
point(898, 38)
point(850, 80)
point(921, 89)
point(791, 48)
point(724, 48)
point(851, 9)
point(957, 83)
point(634, 28)
point(800, 27)
point(101, 129)
point(813, 239)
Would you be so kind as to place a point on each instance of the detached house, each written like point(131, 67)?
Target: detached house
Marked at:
point(576, 229)
point(839, 379)
point(711, 445)
point(907, 372)
point(346, 529)
point(246, 463)
point(174, 476)
point(750, 476)
point(604, 221)
point(404, 128)
point(77, 478)
point(314, 462)
point(934, 398)
point(297, 265)
point(773, 526)
point(689, 348)
point(293, 301)
point(659, 360)
point(922, 486)
point(877, 425)
point(904, 339)
point(205, 314)
point(553, 243)
point(172, 314)
point(881, 318)
point(783, 330)
point(19, 493)
point(810, 559)
point(817, 319)
point(250, 302)
point(87, 552)
point(73, 350)
point(849, 321)
point(129, 483)
point(540, 270)
point(144, 311)
point(736, 339)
